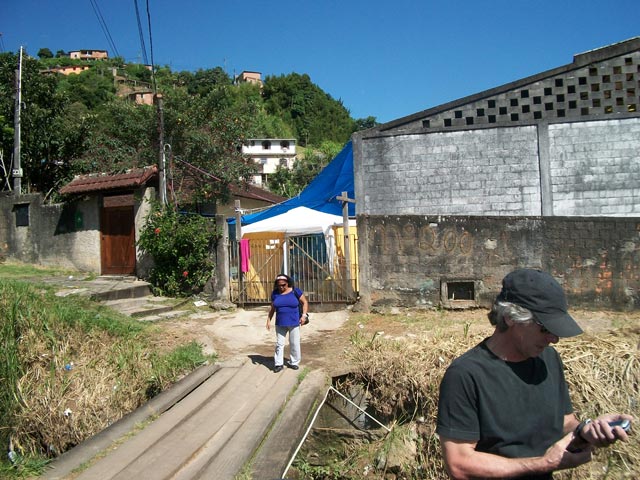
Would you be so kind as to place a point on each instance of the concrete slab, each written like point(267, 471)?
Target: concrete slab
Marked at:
point(212, 433)
point(284, 437)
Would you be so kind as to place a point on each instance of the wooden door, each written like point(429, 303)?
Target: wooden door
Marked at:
point(117, 241)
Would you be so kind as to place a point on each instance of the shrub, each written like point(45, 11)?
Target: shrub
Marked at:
point(180, 245)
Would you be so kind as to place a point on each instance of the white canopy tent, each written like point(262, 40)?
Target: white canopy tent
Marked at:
point(297, 221)
point(301, 221)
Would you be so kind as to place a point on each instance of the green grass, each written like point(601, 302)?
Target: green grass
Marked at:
point(9, 270)
point(72, 351)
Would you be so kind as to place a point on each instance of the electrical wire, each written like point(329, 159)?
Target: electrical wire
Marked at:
point(104, 27)
point(153, 66)
point(140, 32)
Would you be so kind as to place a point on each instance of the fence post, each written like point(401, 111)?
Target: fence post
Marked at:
point(238, 211)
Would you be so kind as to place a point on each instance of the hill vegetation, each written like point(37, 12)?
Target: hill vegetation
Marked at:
point(86, 123)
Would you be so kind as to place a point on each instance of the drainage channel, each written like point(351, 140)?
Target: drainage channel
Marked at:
point(341, 413)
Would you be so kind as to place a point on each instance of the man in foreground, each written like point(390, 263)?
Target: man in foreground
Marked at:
point(504, 408)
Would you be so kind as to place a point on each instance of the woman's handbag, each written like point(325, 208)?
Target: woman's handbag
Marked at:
point(305, 315)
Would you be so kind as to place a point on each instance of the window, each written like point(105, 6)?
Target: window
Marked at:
point(283, 163)
point(460, 290)
point(22, 214)
point(284, 144)
point(266, 145)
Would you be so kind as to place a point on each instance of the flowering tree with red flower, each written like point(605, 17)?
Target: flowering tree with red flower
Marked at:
point(180, 246)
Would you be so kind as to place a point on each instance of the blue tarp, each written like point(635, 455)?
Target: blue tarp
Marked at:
point(321, 193)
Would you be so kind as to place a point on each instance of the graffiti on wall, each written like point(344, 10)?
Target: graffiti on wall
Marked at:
point(597, 262)
point(427, 239)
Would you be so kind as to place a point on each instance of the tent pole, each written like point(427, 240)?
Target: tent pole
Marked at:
point(344, 198)
point(285, 254)
point(238, 211)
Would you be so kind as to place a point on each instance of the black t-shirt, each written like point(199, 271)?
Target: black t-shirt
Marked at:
point(511, 409)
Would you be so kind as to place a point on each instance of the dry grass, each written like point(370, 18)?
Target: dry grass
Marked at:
point(72, 367)
point(402, 376)
point(62, 406)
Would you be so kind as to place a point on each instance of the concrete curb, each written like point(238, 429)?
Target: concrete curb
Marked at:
point(85, 451)
point(276, 450)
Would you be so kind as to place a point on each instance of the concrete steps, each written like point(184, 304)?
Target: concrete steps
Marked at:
point(243, 411)
point(124, 294)
point(147, 306)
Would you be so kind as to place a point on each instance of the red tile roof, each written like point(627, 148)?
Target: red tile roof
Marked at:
point(254, 192)
point(133, 178)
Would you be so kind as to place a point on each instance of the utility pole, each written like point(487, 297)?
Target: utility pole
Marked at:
point(344, 198)
point(161, 160)
point(238, 212)
point(16, 172)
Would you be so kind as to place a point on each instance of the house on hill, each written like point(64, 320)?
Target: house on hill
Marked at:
point(249, 77)
point(542, 172)
point(269, 154)
point(89, 54)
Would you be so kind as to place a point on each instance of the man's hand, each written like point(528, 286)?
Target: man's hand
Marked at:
point(558, 457)
point(463, 462)
point(599, 434)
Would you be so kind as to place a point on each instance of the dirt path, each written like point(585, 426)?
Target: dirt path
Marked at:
point(243, 331)
point(328, 335)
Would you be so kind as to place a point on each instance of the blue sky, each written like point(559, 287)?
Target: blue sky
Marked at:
point(385, 59)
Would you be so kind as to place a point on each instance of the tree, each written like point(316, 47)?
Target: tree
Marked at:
point(45, 53)
point(206, 134)
point(93, 87)
point(289, 183)
point(365, 123)
point(313, 114)
point(41, 141)
point(204, 81)
point(122, 135)
point(77, 124)
point(61, 53)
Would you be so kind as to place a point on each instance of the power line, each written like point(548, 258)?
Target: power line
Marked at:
point(153, 66)
point(104, 27)
point(141, 33)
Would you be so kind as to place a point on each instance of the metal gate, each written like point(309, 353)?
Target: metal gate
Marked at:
point(318, 267)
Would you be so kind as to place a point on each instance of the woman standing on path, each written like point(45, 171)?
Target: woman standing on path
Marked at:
point(285, 300)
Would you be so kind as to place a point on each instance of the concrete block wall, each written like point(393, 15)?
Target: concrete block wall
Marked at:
point(536, 172)
point(479, 172)
point(577, 168)
point(405, 260)
point(595, 167)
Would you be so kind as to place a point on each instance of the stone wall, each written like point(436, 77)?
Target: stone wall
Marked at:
point(421, 261)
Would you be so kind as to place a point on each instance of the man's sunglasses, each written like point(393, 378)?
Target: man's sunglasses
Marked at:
point(543, 329)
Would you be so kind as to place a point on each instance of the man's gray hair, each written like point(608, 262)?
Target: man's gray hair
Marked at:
point(500, 310)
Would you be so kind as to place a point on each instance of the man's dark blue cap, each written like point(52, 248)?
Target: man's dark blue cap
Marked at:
point(540, 293)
